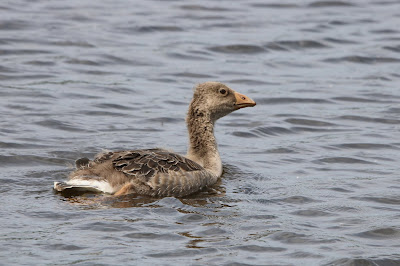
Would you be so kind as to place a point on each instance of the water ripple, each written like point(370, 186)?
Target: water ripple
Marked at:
point(330, 4)
point(257, 248)
point(308, 122)
point(56, 124)
point(204, 8)
point(359, 261)
point(363, 59)
point(380, 233)
point(365, 146)
point(359, 100)
point(393, 48)
point(385, 200)
point(238, 49)
point(312, 213)
point(342, 160)
point(155, 28)
point(295, 238)
point(287, 100)
point(30, 160)
point(183, 253)
point(154, 236)
point(295, 45)
point(275, 5)
point(370, 119)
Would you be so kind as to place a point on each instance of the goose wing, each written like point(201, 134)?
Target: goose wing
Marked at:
point(147, 163)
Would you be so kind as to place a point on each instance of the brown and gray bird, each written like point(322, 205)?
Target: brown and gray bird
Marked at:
point(158, 172)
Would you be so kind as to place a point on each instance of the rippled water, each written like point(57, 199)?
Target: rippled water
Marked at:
point(311, 173)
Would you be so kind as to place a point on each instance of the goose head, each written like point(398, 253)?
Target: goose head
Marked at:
point(215, 100)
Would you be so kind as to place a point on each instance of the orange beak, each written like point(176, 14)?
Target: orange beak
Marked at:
point(243, 101)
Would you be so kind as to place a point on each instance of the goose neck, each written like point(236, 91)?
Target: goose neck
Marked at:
point(203, 147)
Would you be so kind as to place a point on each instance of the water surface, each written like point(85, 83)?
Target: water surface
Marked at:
point(311, 174)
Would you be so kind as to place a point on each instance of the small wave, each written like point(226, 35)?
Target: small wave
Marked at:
point(370, 119)
point(186, 56)
point(263, 131)
point(342, 160)
point(71, 95)
point(358, 100)
point(29, 160)
point(244, 134)
point(295, 238)
point(363, 59)
point(22, 77)
point(248, 82)
point(340, 41)
point(159, 28)
point(64, 247)
point(22, 52)
point(101, 113)
point(113, 106)
point(165, 120)
point(339, 189)
point(192, 218)
point(184, 253)
point(313, 129)
point(365, 146)
point(237, 49)
point(308, 122)
point(385, 200)
point(360, 261)
point(10, 25)
point(383, 96)
point(279, 151)
point(296, 200)
point(304, 254)
point(385, 31)
point(55, 124)
point(330, 4)
point(12, 145)
point(380, 233)
point(393, 110)
point(258, 248)
point(287, 100)
point(75, 61)
point(296, 45)
point(40, 63)
point(175, 103)
point(311, 213)
point(4, 69)
point(274, 5)
point(192, 75)
point(203, 8)
point(155, 236)
point(73, 44)
point(393, 48)
point(94, 72)
point(112, 59)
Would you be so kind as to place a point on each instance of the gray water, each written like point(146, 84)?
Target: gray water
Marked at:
point(311, 174)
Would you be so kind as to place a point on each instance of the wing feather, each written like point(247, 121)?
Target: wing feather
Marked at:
point(146, 164)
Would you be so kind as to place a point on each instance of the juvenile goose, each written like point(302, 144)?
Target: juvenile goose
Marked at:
point(158, 172)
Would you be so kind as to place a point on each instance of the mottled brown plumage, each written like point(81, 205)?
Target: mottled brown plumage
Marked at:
point(158, 172)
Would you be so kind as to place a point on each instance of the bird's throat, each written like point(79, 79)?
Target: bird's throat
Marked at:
point(203, 147)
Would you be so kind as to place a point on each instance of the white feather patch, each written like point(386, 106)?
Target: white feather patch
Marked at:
point(103, 186)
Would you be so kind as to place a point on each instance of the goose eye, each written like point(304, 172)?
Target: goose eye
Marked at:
point(223, 91)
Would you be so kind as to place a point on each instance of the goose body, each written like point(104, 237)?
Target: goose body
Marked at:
point(158, 172)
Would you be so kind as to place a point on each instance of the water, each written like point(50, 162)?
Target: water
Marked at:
point(311, 173)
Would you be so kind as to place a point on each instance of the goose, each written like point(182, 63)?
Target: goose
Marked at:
point(159, 172)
